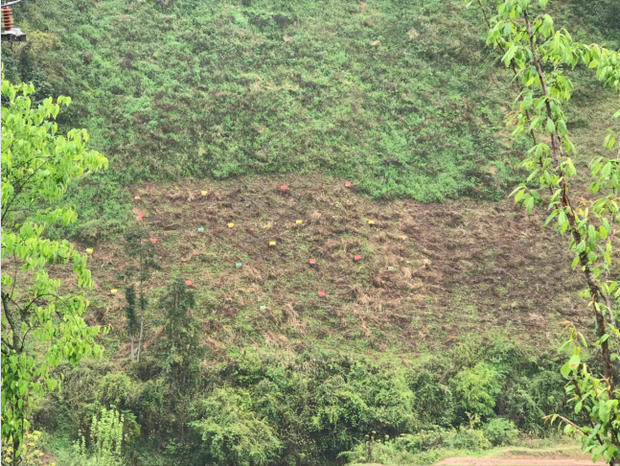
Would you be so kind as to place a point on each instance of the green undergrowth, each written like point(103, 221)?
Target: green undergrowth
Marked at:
point(312, 405)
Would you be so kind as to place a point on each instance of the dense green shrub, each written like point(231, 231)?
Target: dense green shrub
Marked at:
point(263, 407)
point(500, 431)
point(476, 389)
point(232, 432)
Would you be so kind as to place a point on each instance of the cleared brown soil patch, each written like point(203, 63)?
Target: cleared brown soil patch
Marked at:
point(458, 268)
point(518, 461)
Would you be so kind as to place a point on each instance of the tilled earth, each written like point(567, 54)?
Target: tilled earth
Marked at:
point(428, 274)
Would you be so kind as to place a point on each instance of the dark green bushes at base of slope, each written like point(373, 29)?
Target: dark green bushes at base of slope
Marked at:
point(312, 407)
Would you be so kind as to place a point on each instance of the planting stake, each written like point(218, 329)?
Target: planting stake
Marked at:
point(113, 291)
point(322, 294)
point(272, 243)
point(189, 282)
point(201, 229)
point(89, 250)
point(153, 240)
point(231, 225)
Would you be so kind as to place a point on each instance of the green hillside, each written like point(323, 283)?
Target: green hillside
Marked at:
point(429, 331)
point(399, 96)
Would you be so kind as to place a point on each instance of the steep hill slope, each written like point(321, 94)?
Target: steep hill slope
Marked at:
point(425, 275)
point(450, 309)
point(400, 96)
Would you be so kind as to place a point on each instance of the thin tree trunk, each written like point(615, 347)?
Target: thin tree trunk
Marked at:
point(140, 336)
point(132, 338)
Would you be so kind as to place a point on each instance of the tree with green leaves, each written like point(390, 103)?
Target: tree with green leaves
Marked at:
point(132, 318)
point(180, 352)
point(541, 57)
point(142, 251)
point(42, 324)
point(181, 331)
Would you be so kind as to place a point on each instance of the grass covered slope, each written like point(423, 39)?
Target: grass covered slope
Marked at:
point(400, 96)
point(397, 95)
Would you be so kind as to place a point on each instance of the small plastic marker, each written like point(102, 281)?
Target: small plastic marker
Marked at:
point(204, 193)
point(140, 214)
point(201, 229)
point(348, 184)
point(153, 240)
point(136, 197)
point(298, 222)
point(390, 267)
point(231, 225)
point(238, 265)
point(357, 258)
point(113, 291)
point(262, 308)
point(89, 250)
point(371, 222)
point(189, 282)
point(272, 243)
point(311, 261)
point(283, 188)
point(321, 294)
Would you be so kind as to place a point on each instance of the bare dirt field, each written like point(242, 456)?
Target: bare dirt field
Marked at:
point(520, 461)
point(424, 275)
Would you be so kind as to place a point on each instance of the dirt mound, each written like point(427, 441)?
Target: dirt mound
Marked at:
point(426, 274)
